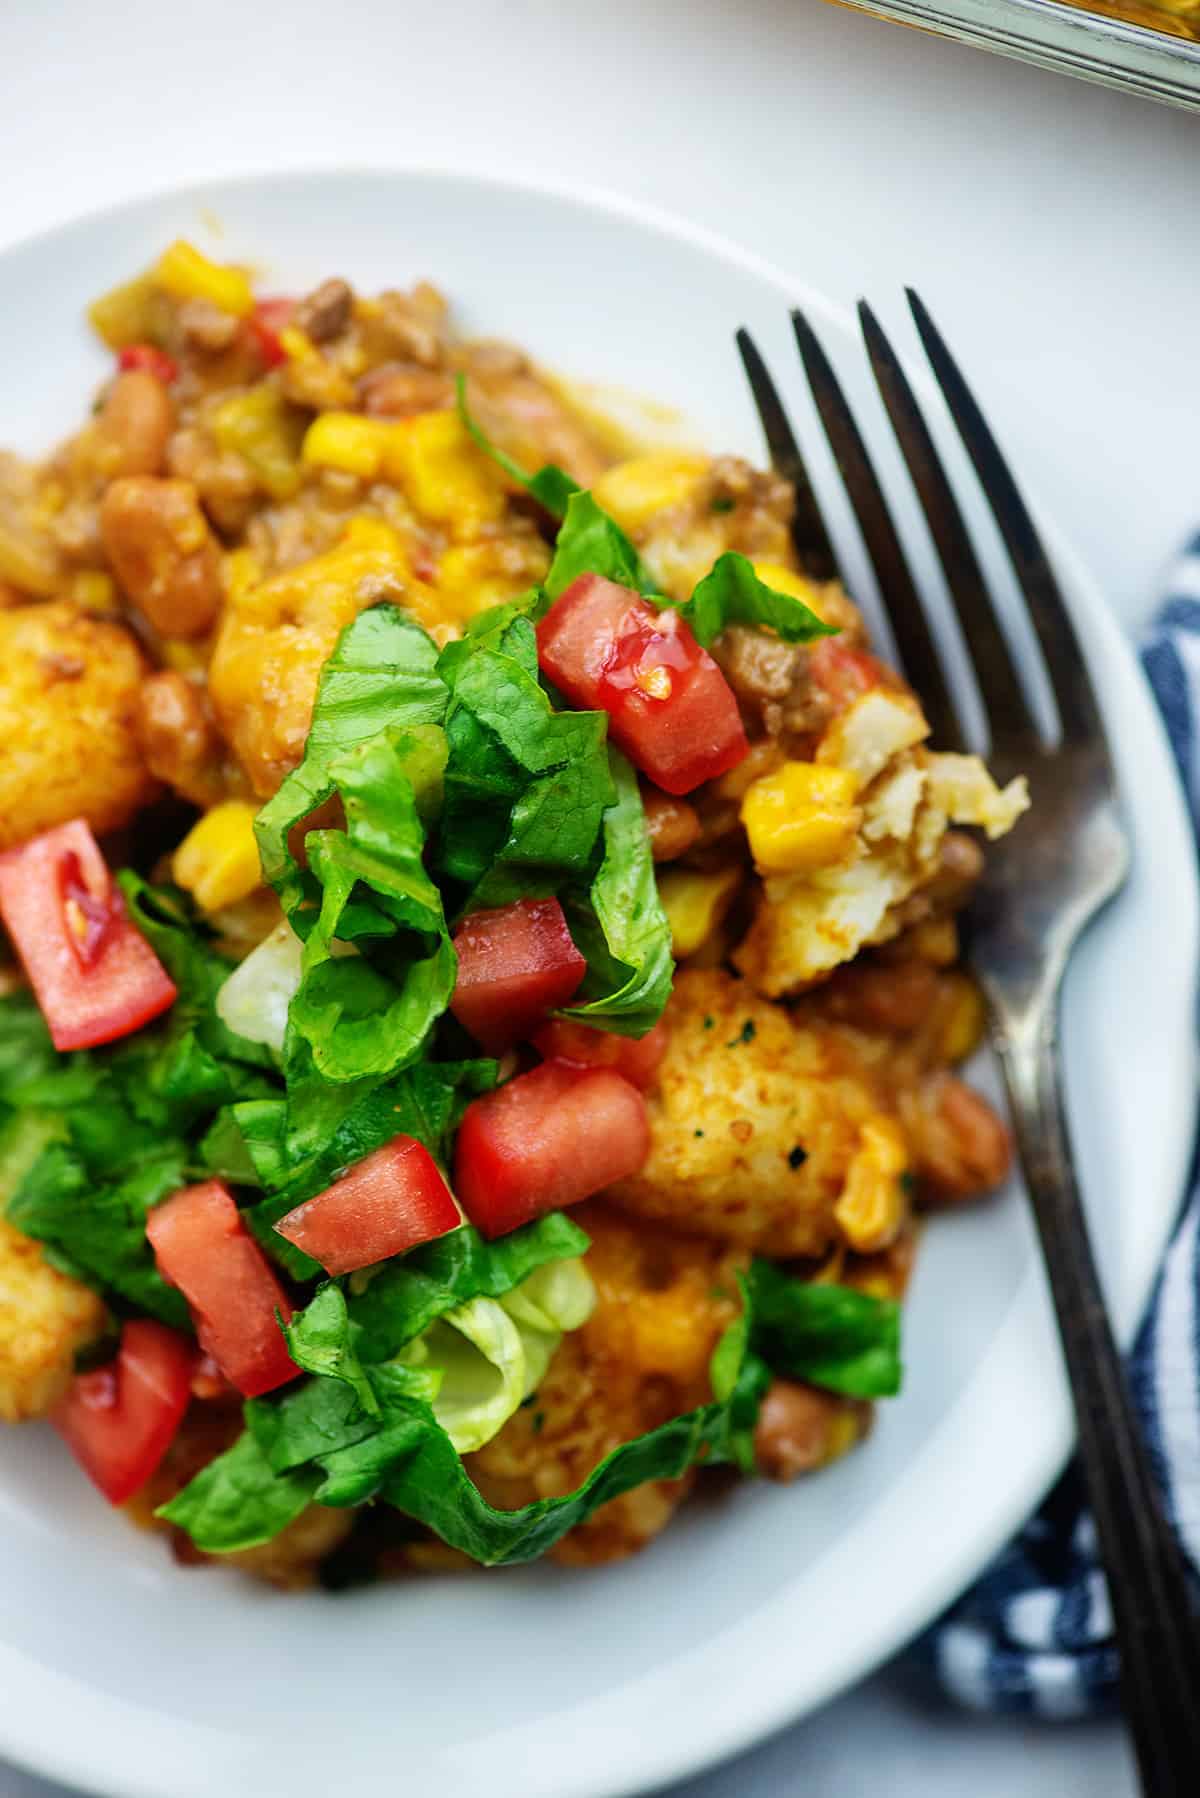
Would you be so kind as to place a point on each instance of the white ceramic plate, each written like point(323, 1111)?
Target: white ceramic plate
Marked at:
point(125, 1674)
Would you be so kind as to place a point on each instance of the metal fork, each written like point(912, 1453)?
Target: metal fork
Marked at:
point(1041, 886)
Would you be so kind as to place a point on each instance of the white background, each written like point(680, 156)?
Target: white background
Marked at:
point(1052, 226)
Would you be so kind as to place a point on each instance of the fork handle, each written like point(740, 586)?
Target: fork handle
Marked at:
point(1157, 1633)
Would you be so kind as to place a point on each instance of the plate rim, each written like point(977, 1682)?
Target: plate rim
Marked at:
point(639, 1766)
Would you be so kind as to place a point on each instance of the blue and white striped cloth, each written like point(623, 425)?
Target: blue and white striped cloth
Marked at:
point(1035, 1634)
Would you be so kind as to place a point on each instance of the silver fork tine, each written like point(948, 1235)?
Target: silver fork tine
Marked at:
point(1077, 709)
point(809, 536)
point(1008, 713)
point(922, 664)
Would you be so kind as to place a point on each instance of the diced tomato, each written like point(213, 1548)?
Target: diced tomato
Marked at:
point(95, 975)
point(202, 1246)
point(515, 964)
point(267, 320)
point(149, 357)
point(843, 672)
point(636, 1057)
point(119, 1421)
point(387, 1203)
point(546, 1139)
point(670, 708)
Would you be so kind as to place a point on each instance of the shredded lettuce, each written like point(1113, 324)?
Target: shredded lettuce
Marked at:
point(618, 922)
point(732, 593)
point(393, 1446)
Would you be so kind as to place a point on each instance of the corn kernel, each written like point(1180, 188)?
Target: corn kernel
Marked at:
point(296, 344)
point(93, 590)
point(845, 1430)
point(135, 312)
point(183, 657)
point(188, 274)
point(786, 580)
point(473, 576)
point(873, 1204)
point(240, 571)
point(217, 862)
point(347, 441)
point(448, 479)
point(266, 432)
point(695, 904)
point(801, 817)
point(963, 1020)
point(632, 492)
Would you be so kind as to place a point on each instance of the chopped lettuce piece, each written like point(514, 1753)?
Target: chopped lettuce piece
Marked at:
point(590, 542)
point(619, 923)
point(239, 1501)
point(732, 593)
point(832, 1336)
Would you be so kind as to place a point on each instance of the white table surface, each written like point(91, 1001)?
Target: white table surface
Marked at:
point(1051, 225)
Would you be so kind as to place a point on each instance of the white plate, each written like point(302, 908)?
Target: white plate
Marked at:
point(123, 1673)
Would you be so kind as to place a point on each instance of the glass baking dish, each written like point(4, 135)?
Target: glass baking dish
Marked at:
point(1145, 46)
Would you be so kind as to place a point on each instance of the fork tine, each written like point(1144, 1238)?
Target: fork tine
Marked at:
point(922, 664)
point(809, 536)
point(1004, 700)
point(1065, 666)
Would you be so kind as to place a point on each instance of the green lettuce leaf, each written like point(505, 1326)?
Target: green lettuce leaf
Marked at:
point(399, 1451)
point(551, 486)
point(239, 1501)
point(619, 923)
point(526, 786)
point(96, 1230)
point(831, 1336)
point(732, 593)
point(590, 542)
point(490, 1354)
point(377, 968)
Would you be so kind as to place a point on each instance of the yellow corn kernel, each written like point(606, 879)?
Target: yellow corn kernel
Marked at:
point(446, 476)
point(963, 1020)
point(217, 862)
point(296, 344)
point(695, 904)
point(266, 432)
point(240, 571)
point(135, 312)
point(183, 657)
point(348, 441)
point(845, 1429)
point(786, 580)
point(94, 590)
point(632, 492)
point(801, 817)
point(874, 1203)
point(187, 274)
point(474, 576)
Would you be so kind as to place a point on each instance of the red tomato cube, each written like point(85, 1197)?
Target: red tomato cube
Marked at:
point(547, 1139)
point(636, 1057)
point(119, 1421)
point(154, 361)
point(202, 1246)
point(387, 1203)
point(844, 673)
point(94, 974)
point(515, 964)
point(670, 708)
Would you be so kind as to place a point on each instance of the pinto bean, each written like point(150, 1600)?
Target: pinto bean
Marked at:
point(398, 389)
point(325, 313)
point(800, 1429)
point(135, 422)
point(177, 741)
point(161, 550)
point(673, 824)
point(961, 1148)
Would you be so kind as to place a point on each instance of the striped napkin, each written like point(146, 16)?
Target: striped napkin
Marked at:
point(1035, 1634)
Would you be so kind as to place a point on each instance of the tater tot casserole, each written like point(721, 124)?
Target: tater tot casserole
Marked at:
point(480, 1001)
